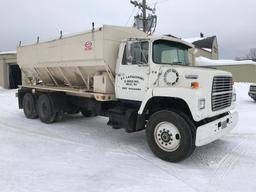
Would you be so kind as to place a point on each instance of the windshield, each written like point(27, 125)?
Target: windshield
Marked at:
point(168, 52)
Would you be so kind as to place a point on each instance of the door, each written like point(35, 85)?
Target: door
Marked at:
point(14, 76)
point(133, 74)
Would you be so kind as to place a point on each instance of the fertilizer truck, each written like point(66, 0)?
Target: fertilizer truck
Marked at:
point(139, 82)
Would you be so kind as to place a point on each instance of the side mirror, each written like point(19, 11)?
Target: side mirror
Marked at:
point(128, 52)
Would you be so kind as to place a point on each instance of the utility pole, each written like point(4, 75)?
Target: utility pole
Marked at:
point(144, 13)
point(144, 7)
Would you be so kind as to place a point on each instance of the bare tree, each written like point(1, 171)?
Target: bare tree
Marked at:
point(250, 56)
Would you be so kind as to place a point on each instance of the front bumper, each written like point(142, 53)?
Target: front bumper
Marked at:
point(214, 130)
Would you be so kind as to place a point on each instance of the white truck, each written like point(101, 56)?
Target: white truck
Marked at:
point(138, 81)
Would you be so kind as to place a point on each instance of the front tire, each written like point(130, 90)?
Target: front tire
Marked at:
point(170, 136)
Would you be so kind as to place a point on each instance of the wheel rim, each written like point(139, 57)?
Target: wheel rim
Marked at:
point(167, 136)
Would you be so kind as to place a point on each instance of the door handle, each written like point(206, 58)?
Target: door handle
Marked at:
point(143, 65)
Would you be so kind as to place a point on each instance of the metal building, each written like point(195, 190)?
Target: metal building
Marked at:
point(10, 74)
point(206, 54)
point(243, 71)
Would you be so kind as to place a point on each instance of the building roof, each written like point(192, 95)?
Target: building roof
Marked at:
point(202, 42)
point(205, 43)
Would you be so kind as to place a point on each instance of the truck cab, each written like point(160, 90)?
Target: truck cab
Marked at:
point(156, 72)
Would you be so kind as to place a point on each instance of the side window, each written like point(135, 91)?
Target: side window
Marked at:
point(139, 52)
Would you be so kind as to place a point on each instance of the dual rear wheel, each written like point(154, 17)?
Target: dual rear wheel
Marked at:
point(48, 107)
point(42, 107)
point(29, 106)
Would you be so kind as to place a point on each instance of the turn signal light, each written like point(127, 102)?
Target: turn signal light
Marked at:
point(195, 85)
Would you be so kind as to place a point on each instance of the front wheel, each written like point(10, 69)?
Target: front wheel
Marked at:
point(169, 136)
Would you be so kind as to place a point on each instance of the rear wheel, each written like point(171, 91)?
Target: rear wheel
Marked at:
point(87, 113)
point(46, 109)
point(29, 106)
point(170, 136)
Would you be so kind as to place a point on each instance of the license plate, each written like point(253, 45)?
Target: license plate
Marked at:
point(224, 124)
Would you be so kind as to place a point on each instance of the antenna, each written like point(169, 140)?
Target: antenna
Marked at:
point(93, 26)
point(61, 34)
point(144, 22)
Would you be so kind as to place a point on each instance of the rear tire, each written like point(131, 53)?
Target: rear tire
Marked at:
point(29, 106)
point(46, 109)
point(170, 136)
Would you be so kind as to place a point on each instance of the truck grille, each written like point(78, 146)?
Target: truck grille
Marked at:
point(222, 92)
point(253, 88)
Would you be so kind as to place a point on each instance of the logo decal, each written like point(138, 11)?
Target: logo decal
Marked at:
point(88, 46)
point(171, 77)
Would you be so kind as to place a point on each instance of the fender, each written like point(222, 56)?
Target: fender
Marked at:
point(189, 96)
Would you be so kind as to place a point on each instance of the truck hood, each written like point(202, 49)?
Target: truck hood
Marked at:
point(183, 76)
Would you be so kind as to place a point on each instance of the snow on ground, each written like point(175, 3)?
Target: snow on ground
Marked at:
point(79, 155)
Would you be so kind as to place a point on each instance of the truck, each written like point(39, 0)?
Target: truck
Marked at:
point(252, 92)
point(139, 82)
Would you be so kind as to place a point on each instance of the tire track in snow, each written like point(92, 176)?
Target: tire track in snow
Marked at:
point(4, 125)
point(229, 161)
point(171, 171)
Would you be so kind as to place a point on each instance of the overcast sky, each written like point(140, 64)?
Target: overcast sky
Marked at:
point(233, 21)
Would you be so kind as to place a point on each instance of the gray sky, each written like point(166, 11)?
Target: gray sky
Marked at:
point(233, 21)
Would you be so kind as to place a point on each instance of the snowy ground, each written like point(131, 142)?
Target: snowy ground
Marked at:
point(80, 155)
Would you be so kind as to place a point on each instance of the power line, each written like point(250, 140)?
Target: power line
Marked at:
point(130, 16)
point(158, 2)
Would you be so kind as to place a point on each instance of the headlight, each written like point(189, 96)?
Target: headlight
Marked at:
point(201, 104)
point(234, 97)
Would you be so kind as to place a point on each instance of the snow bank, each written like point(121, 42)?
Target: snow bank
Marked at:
point(202, 61)
point(7, 52)
point(207, 49)
point(193, 39)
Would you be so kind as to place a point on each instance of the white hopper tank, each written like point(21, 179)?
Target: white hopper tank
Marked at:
point(73, 61)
